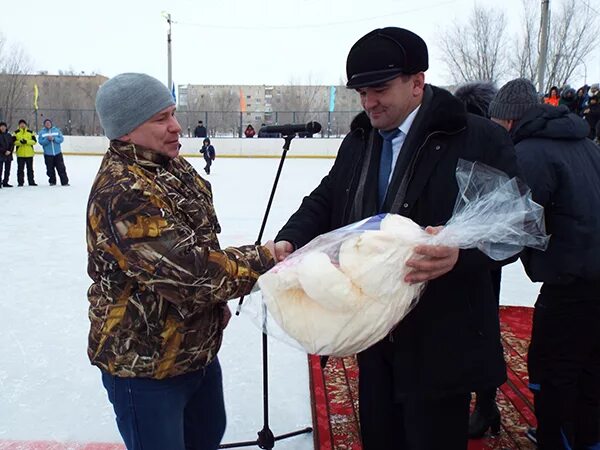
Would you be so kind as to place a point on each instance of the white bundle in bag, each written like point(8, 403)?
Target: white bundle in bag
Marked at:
point(344, 291)
point(340, 310)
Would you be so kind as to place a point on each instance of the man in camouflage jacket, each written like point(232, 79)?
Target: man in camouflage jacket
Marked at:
point(158, 301)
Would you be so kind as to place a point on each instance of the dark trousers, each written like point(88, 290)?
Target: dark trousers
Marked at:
point(415, 422)
point(186, 412)
point(6, 163)
point(486, 399)
point(564, 369)
point(21, 163)
point(208, 164)
point(55, 164)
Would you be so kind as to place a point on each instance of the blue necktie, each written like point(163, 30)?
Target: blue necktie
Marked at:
point(385, 164)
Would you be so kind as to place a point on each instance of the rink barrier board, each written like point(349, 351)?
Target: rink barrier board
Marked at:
point(225, 147)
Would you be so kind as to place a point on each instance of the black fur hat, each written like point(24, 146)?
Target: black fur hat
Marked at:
point(477, 96)
point(384, 54)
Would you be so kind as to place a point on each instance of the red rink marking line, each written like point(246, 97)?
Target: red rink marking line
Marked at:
point(50, 445)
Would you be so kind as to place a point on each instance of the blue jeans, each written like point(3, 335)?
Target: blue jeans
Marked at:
point(186, 412)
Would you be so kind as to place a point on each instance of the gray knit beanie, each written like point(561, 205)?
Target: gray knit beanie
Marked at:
point(513, 99)
point(128, 100)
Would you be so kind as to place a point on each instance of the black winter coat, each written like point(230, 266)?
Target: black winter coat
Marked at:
point(200, 131)
point(7, 142)
point(450, 342)
point(562, 167)
point(592, 117)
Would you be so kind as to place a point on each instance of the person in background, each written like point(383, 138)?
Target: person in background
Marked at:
point(24, 141)
point(51, 138)
point(562, 168)
point(160, 280)
point(208, 152)
point(553, 98)
point(569, 99)
point(200, 130)
point(7, 142)
point(477, 97)
point(582, 100)
point(249, 132)
point(592, 114)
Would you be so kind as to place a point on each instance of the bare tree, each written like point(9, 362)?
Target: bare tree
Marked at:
point(14, 65)
point(526, 56)
point(572, 37)
point(476, 50)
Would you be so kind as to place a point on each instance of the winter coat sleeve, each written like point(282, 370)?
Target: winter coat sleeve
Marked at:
point(538, 174)
point(59, 139)
point(31, 139)
point(43, 138)
point(152, 245)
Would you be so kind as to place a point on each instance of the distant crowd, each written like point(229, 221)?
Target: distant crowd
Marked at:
point(585, 102)
point(21, 142)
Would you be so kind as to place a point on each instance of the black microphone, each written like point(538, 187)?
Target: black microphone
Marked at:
point(286, 130)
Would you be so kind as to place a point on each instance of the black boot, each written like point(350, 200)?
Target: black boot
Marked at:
point(485, 416)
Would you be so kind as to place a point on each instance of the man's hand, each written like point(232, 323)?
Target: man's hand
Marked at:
point(50, 138)
point(7, 153)
point(270, 245)
point(283, 249)
point(431, 261)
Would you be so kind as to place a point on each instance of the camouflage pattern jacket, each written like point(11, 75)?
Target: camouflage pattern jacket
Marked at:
point(160, 279)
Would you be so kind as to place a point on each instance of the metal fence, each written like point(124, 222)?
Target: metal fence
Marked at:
point(84, 122)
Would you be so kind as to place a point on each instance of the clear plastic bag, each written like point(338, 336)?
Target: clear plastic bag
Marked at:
point(344, 291)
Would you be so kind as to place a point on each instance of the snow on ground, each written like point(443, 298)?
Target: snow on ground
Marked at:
point(48, 389)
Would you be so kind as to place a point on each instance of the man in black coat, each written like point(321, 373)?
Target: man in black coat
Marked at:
point(562, 167)
point(200, 130)
point(6, 151)
point(401, 157)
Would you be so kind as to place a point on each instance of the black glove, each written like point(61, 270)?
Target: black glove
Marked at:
point(23, 141)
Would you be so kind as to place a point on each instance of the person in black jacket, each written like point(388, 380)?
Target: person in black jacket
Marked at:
point(7, 142)
point(562, 167)
point(592, 114)
point(477, 97)
point(200, 130)
point(401, 157)
point(208, 152)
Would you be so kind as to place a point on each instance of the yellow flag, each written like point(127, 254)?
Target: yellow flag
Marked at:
point(35, 97)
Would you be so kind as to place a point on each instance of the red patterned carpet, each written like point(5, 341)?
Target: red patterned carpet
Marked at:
point(335, 394)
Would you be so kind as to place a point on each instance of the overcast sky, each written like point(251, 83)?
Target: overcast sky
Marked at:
point(229, 41)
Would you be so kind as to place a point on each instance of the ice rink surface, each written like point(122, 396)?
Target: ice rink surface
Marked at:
point(48, 389)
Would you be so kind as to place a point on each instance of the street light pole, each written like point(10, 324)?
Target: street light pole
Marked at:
point(543, 44)
point(169, 57)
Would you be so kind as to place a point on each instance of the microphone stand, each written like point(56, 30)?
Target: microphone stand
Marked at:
point(266, 439)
